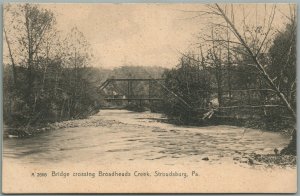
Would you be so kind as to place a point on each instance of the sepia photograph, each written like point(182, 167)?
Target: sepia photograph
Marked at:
point(149, 98)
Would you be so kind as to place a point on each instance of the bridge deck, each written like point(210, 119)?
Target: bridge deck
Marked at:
point(135, 79)
point(132, 99)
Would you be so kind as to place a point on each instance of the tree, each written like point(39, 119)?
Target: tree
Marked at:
point(254, 51)
point(190, 83)
point(282, 64)
point(75, 60)
point(31, 24)
point(53, 81)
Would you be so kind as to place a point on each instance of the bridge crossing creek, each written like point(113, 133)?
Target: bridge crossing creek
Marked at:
point(119, 135)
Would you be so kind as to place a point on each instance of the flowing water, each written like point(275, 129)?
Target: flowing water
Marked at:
point(133, 136)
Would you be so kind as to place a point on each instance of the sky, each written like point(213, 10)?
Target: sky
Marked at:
point(135, 34)
point(131, 34)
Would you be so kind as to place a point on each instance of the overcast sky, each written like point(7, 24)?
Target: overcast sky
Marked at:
point(135, 35)
point(139, 34)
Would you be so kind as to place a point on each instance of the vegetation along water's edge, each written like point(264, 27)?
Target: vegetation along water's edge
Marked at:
point(241, 75)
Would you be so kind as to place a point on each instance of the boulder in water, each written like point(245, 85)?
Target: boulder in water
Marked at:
point(205, 159)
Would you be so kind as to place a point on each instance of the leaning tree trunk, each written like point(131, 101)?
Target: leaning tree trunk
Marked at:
point(292, 146)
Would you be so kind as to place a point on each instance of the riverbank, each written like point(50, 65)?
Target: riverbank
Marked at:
point(30, 131)
point(24, 131)
point(266, 160)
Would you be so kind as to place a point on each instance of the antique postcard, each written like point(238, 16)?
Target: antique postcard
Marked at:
point(149, 98)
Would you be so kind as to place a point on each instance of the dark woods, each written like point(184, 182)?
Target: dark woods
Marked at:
point(50, 78)
point(235, 87)
point(47, 79)
point(246, 75)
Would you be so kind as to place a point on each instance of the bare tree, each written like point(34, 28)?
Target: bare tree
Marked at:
point(76, 58)
point(14, 72)
point(31, 24)
point(254, 55)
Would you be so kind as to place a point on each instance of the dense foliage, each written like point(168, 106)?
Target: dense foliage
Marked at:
point(47, 78)
point(236, 88)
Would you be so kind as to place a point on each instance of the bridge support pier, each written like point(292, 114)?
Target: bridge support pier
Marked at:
point(129, 90)
point(150, 91)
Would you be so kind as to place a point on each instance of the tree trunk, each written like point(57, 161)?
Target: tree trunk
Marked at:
point(262, 71)
point(14, 73)
point(291, 149)
point(259, 66)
